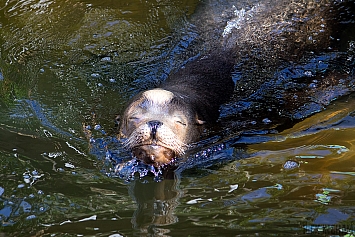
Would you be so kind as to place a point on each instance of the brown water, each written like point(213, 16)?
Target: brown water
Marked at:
point(66, 65)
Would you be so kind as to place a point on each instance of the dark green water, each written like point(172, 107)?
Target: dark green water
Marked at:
point(69, 65)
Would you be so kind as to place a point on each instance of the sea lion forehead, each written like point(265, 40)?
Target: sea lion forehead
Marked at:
point(158, 96)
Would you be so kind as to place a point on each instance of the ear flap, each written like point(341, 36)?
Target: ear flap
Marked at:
point(117, 120)
point(200, 122)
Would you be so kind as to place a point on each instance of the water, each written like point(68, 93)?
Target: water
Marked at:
point(279, 162)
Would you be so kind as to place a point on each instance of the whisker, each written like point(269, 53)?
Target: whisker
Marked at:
point(165, 137)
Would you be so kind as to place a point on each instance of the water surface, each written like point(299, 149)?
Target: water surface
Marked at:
point(279, 162)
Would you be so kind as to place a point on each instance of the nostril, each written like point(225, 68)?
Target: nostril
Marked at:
point(154, 124)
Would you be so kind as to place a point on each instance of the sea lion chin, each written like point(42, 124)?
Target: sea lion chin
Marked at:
point(154, 154)
point(160, 124)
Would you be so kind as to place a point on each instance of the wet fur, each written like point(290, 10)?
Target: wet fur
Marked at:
point(184, 104)
point(205, 84)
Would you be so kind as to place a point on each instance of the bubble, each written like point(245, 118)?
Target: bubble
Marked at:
point(312, 85)
point(20, 186)
point(69, 165)
point(30, 217)
point(106, 59)
point(266, 121)
point(290, 164)
point(308, 73)
point(95, 75)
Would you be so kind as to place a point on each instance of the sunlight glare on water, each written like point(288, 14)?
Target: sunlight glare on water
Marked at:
point(278, 162)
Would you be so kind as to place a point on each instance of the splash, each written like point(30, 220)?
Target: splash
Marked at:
point(116, 161)
point(241, 16)
point(133, 168)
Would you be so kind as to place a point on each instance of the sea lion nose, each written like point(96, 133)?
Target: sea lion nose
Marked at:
point(154, 125)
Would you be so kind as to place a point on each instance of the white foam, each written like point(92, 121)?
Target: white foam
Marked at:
point(241, 17)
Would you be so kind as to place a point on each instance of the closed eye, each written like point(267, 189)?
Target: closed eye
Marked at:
point(180, 122)
point(134, 119)
point(180, 119)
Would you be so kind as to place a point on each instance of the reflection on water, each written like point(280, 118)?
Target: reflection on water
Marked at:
point(268, 167)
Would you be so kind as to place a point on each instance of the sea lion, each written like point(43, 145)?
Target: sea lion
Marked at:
point(160, 123)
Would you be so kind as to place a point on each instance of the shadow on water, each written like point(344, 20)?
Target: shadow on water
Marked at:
point(278, 162)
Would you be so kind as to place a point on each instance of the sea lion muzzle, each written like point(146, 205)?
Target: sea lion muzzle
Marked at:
point(154, 152)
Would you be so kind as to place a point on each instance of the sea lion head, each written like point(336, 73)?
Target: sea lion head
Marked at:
point(159, 125)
